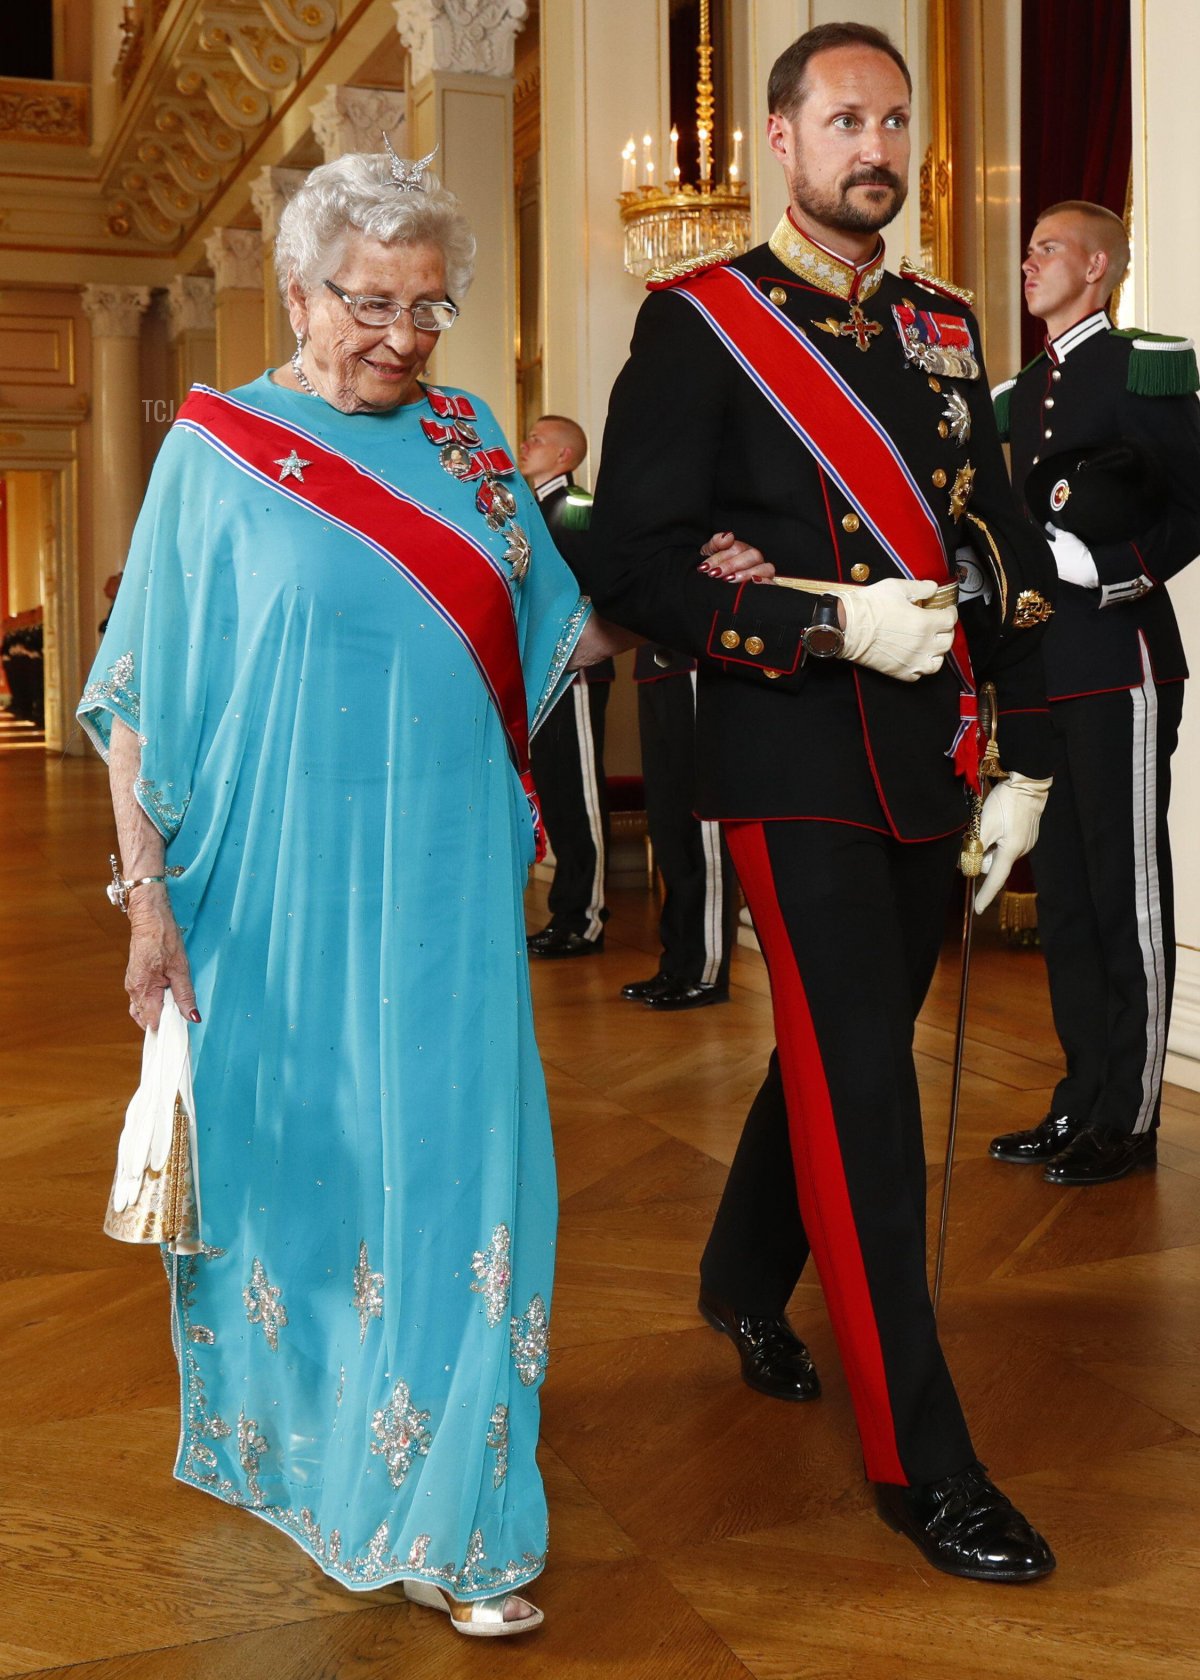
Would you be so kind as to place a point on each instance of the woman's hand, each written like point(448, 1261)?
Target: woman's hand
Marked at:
point(727, 557)
point(156, 960)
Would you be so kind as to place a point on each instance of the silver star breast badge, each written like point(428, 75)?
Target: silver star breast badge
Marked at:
point(290, 466)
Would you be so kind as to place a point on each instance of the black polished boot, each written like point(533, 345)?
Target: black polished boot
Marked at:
point(640, 991)
point(1102, 1157)
point(686, 994)
point(965, 1526)
point(1046, 1140)
point(774, 1359)
point(561, 942)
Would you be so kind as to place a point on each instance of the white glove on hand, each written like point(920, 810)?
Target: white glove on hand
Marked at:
point(888, 632)
point(1008, 828)
point(1073, 559)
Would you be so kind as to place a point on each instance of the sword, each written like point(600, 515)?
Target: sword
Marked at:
point(970, 863)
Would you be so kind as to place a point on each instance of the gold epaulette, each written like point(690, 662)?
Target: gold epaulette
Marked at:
point(909, 271)
point(671, 274)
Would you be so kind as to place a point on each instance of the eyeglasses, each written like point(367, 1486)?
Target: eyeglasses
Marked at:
point(381, 312)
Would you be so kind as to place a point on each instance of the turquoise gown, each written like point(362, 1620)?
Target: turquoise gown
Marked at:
point(362, 1338)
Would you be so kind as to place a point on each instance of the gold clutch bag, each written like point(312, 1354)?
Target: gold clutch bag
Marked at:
point(155, 1192)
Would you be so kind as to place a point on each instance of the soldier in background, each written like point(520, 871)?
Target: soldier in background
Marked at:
point(1105, 433)
point(567, 753)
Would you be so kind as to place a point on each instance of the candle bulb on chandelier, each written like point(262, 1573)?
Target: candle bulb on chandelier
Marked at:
point(702, 136)
point(735, 168)
point(647, 161)
point(629, 166)
point(674, 153)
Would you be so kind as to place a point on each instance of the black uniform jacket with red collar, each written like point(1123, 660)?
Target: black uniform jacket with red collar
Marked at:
point(1076, 395)
point(693, 446)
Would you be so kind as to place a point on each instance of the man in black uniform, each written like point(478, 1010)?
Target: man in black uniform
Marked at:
point(567, 753)
point(834, 416)
point(700, 903)
point(1105, 431)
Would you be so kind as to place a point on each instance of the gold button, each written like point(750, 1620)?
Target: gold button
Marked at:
point(939, 478)
point(850, 522)
point(754, 644)
point(777, 296)
point(943, 429)
point(730, 639)
point(934, 384)
point(768, 672)
point(860, 573)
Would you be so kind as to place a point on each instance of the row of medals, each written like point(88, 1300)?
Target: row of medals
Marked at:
point(454, 435)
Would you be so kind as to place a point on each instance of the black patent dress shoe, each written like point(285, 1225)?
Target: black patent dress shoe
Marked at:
point(686, 994)
point(774, 1359)
point(561, 942)
point(1042, 1143)
point(964, 1525)
point(639, 991)
point(1101, 1157)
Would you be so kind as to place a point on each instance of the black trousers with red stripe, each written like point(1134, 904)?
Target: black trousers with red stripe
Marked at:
point(1102, 868)
point(850, 923)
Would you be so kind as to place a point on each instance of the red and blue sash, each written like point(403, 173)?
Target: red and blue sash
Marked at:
point(460, 579)
point(847, 442)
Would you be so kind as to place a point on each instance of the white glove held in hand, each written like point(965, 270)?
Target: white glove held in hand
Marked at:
point(1008, 829)
point(1073, 559)
point(888, 632)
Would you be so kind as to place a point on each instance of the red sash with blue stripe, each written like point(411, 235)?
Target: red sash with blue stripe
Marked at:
point(848, 444)
point(459, 578)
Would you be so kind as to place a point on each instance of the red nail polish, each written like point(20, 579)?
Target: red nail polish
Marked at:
point(194, 1015)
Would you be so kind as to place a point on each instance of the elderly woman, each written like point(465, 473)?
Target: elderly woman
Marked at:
point(341, 619)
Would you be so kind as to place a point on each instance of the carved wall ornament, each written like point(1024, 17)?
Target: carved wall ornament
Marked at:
point(115, 311)
point(191, 305)
point(470, 37)
point(355, 119)
point(266, 61)
point(235, 256)
point(270, 191)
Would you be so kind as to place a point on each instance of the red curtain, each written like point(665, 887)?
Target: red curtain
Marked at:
point(1076, 133)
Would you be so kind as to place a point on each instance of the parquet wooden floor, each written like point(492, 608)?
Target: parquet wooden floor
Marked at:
point(699, 1531)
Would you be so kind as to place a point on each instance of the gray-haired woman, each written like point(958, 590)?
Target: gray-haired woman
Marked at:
point(340, 621)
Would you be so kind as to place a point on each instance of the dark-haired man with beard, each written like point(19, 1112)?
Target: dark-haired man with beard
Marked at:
point(834, 417)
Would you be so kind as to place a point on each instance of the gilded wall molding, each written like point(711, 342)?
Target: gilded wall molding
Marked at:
point(55, 113)
point(221, 69)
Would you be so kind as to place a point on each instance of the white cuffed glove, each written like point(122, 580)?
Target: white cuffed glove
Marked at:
point(888, 632)
point(1073, 559)
point(1008, 828)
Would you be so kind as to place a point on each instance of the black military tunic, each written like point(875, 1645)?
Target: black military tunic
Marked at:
point(832, 782)
point(1114, 672)
point(567, 753)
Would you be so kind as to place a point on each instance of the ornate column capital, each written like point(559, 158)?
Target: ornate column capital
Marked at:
point(191, 305)
point(235, 255)
point(115, 311)
point(269, 192)
point(469, 37)
point(355, 119)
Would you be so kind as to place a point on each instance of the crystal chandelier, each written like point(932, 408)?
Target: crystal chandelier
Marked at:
point(673, 221)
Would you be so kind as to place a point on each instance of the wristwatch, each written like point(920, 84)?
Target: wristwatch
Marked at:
point(824, 638)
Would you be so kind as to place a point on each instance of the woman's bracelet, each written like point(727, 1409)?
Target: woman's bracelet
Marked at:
point(118, 889)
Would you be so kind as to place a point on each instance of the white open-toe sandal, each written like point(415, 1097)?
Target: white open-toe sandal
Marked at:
point(478, 1618)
